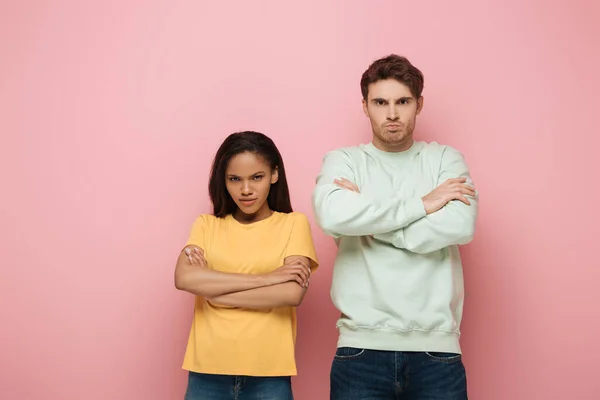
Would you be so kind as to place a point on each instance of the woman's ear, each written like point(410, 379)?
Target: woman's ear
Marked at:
point(275, 175)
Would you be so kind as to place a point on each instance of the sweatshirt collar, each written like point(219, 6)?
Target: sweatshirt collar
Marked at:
point(396, 156)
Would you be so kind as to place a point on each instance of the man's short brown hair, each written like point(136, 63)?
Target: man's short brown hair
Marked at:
point(393, 67)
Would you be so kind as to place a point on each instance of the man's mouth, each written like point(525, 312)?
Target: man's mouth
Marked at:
point(393, 127)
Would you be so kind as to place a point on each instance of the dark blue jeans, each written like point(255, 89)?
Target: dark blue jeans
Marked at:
point(358, 374)
point(230, 387)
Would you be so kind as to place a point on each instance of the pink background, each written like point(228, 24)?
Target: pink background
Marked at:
point(110, 113)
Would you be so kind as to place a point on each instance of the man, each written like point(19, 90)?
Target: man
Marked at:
point(398, 208)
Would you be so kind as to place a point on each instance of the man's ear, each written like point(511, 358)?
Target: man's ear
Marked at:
point(365, 108)
point(420, 104)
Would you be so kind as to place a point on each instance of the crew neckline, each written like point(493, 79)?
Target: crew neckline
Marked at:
point(253, 224)
point(395, 156)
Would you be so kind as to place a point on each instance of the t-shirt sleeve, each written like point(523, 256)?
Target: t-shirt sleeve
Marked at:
point(301, 241)
point(197, 233)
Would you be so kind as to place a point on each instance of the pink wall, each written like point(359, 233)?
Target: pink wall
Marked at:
point(110, 113)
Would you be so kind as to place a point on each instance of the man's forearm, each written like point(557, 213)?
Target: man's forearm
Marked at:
point(454, 224)
point(281, 295)
point(340, 212)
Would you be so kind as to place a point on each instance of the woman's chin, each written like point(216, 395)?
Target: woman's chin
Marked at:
point(251, 212)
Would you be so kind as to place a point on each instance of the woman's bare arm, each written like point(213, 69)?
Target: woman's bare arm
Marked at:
point(193, 275)
point(280, 295)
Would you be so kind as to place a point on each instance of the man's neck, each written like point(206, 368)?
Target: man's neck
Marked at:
point(393, 148)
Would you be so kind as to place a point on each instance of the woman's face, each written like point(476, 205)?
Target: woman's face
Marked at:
point(248, 179)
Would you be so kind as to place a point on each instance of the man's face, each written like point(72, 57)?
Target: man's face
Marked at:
point(392, 110)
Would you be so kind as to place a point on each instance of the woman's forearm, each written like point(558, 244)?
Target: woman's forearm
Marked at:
point(209, 283)
point(281, 295)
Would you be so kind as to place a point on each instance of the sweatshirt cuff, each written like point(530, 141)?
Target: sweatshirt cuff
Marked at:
point(414, 209)
point(387, 237)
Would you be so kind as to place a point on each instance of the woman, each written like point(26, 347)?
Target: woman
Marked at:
point(249, 264)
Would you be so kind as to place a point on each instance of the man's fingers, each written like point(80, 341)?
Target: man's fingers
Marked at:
point(346, 184)
point(464, 188)
point(467, 189)
point(462, 198)
point(352, 184)
point(455, 180)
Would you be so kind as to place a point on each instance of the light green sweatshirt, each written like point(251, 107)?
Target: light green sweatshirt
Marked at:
point(397, 278)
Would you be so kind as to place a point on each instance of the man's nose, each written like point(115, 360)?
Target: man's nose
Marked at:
point(392, 113)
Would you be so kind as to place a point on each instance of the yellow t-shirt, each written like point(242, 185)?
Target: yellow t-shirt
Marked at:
point(239, 341)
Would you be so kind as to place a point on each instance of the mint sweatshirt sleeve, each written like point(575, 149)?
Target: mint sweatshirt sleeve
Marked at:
point(340, 212)
point(453, 224)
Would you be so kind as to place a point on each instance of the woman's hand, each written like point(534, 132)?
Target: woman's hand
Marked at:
point(195, 256)
point(296, 271)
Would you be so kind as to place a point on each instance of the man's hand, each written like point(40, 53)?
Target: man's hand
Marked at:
point(346, 184)
point(452, 189)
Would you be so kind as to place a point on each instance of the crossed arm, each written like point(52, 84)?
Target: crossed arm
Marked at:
point(342, 212)
point(286, 286)
point(448, 214)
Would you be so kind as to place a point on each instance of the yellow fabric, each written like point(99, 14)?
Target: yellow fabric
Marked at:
point(239, 341)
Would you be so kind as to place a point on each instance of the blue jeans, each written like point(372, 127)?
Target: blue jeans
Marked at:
point(358, 374)
point(231, 387)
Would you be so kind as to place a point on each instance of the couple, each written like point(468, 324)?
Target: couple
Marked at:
point(397, 209)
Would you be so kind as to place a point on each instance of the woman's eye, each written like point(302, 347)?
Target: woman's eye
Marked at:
point(234, 179)
point(259, 177)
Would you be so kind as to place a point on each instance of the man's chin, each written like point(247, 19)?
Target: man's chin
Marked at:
point(396, 139)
